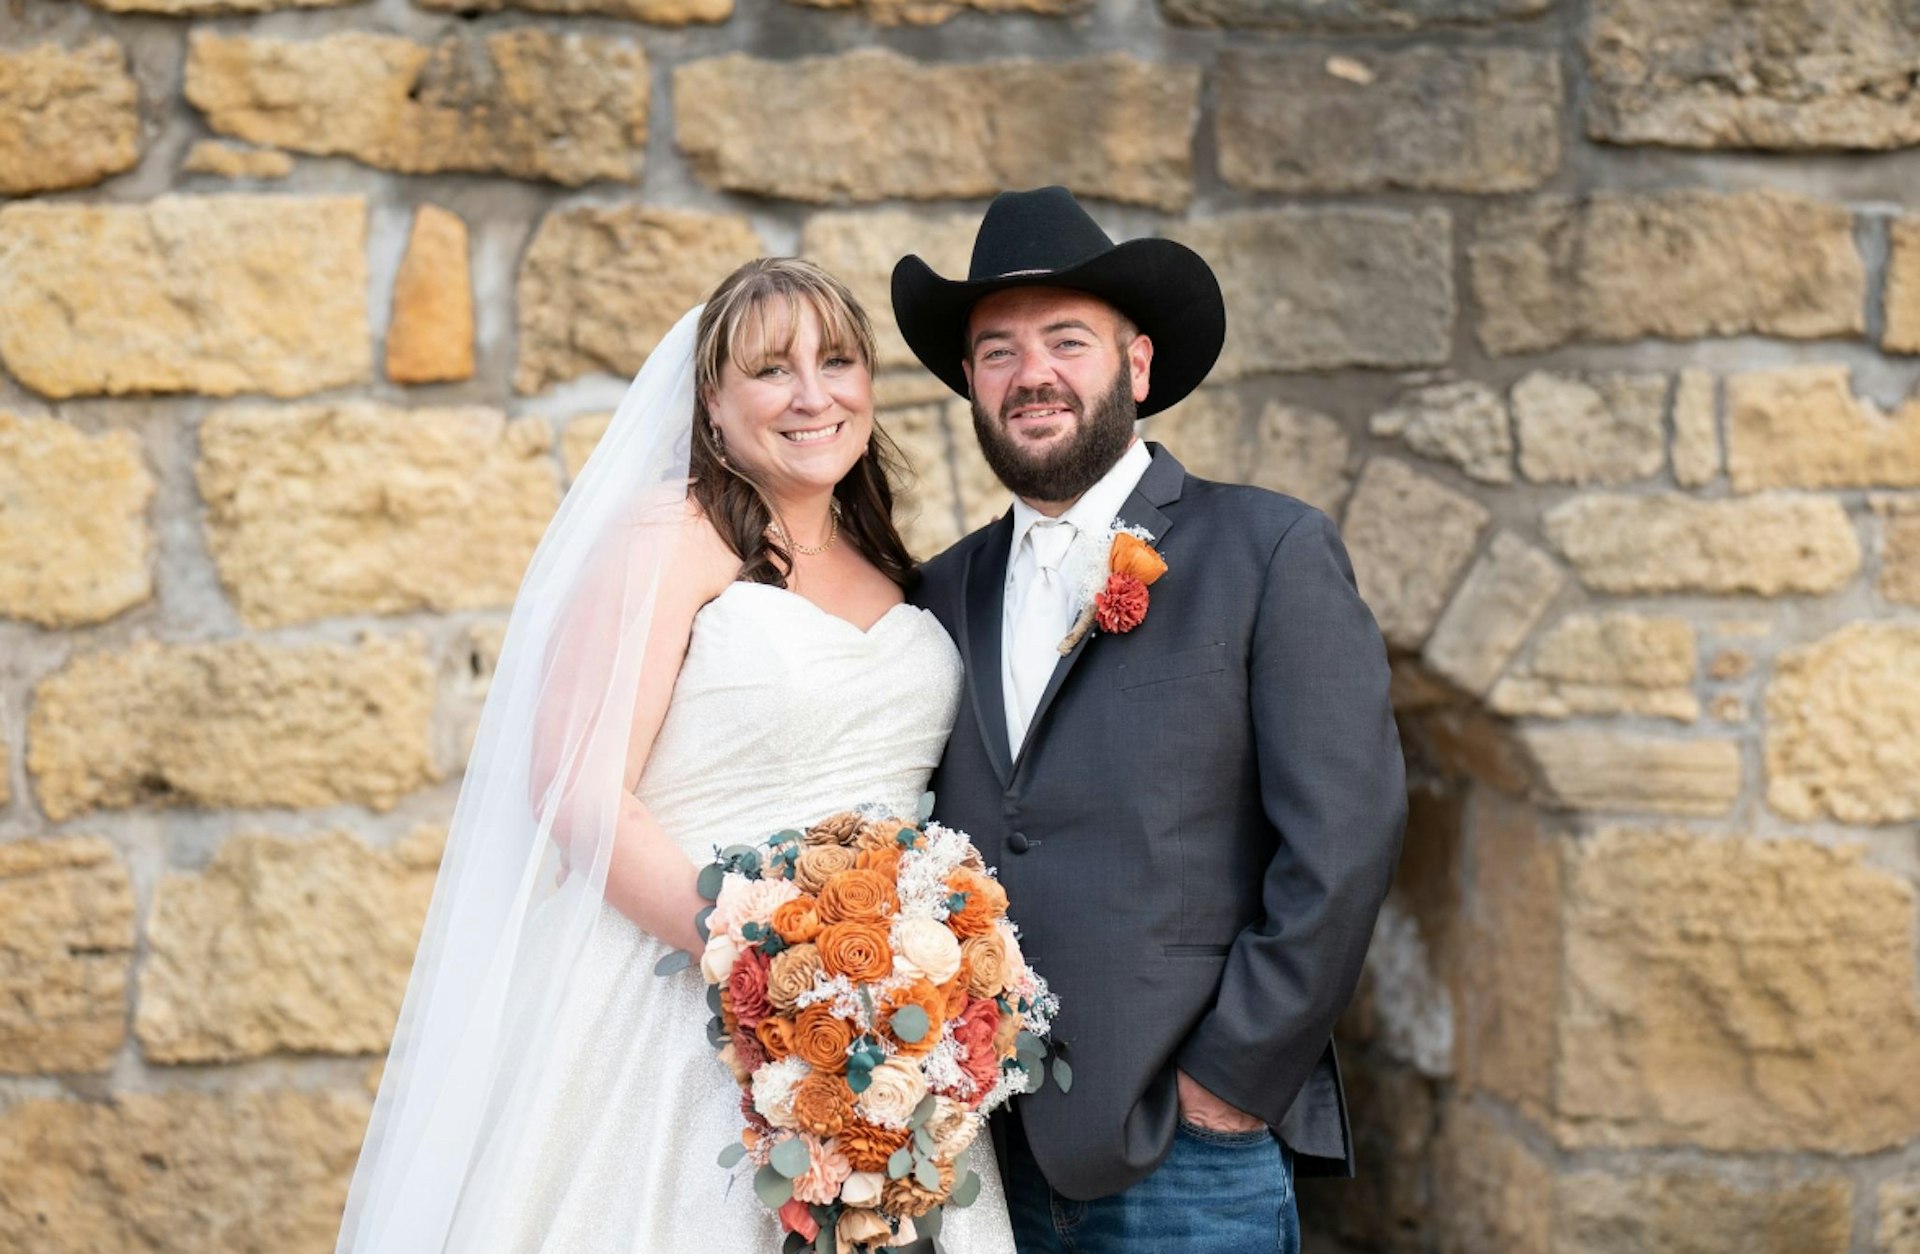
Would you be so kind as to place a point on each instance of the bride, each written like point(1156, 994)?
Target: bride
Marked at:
point(710, 644)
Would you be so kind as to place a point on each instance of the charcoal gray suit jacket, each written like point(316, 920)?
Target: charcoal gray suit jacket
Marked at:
point(1199, 829)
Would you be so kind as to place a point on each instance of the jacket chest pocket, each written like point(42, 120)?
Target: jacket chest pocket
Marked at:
point(1208, 659)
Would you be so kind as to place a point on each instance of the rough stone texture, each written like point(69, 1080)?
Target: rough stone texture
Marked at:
point(209, 8)
point(653, 12)
point(1772, 544)
point(1900, 551)
point(1348, 15)
point(927, 508)
point(1902, 334)
point(1430, 119)
point(1511, 961)
point(74, 537)
point(1465, 423)
point(1696, 429)
point(66, 941)
point(873, 125)
point(598, 288)
point(1316, 289)
point(1696, 1212)
point(571, 108)
point(233, 724)
point(1499, 601)
point(236, 161)
point(1802, 427)
point(1406, 587)
point(1493, 1194)
point(934, 12)
point(243, 1172)
point(1737, 994)
point(1725, 74)
point(356, 508)
point(1679, 265)
point(578, 441)
point(430, 339)
point(214, 294)
point(68, 117)
point(301, 945)
point(1898, 1228)
point(983, 497)
point(1843, 726)
point(860, 249)
point(1604, 429)
point(1606, 664)
point(1604, 770)
point(1296, 451)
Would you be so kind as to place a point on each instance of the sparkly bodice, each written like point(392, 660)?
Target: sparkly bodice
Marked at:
point(783, 713)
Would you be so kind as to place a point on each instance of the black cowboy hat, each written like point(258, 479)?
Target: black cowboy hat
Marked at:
point(1045, 239)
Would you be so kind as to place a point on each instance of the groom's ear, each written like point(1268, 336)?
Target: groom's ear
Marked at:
point(1139, 363)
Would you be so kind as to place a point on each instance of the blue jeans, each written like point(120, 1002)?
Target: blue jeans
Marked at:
point(1215, 1193)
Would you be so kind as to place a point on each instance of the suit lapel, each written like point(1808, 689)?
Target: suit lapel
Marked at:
point(1158, 487)
point(986, 591)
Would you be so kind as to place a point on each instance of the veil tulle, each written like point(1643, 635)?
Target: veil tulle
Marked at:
point(520, 885)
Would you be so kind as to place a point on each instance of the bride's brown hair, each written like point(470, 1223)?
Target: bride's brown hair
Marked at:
point(759, 305)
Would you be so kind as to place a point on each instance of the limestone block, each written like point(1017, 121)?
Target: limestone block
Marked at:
point(1406, 585)
point(66, 941)
point(1498, 603)
point(1898, 1229)
point(430, 339)
point(934, 12)
point(1607, 429)
point(1900, 552)
point(1696, 429)
point(1348, 15)
point(1465, 423)
point(1802, 427)
point(236, 161)
point(1902, 334)
point(579, 439)
point(1615, 663)
point(74, 537)
point(1607, 771)
point(860, 250)
point(1843, 726)
point(1771, 544)
point(69, 117)
point(652, 12)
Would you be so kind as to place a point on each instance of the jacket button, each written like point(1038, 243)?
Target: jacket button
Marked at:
point(1018, 842)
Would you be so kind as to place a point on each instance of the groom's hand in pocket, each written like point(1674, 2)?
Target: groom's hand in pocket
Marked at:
point(1202, 1109)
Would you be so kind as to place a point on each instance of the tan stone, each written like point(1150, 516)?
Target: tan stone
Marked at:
point(1345, 15)
point(934, 12)
point(301, 945)
point(825, 129)
point(239, 1172)
point(1429, 119)
point(579, 439)
point(233, 724)
point(927, 507)
point(1467, 743)
point(1724, 74)
point(466, 673)
point(1696, 429)
point(1511, 960)
point(215, 294)
point(1605, 770)
point(1902, 333)
point(1843, 726)
point(1729, 664)
point(599, 287)
point(1736, 994)
point(74, 539)
point(430, 339)
point(1802, 427)
point(860, 250)
point(1898, 1228)
point(527, 102)
point(1406, 585)
point(1770, 545)
point(1318, 289)
point(1606, 664)
point(983, 497)
point(69, 117)
point(355, 508)
point(210, 8)
point(1499, 601)
point(1493, 1193)
point(1464, 423)
point(1728, 708)
point(236, 161)
point(1207, 431)
point(1677, 265)
point(66, 941)
point(903, 389)
point(653, 12)
point(1295, 451)
point(1605, 429)
point(1900, 551)
point(1702, 1211)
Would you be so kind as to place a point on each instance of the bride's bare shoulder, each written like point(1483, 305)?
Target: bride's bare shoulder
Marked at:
point(703, 563)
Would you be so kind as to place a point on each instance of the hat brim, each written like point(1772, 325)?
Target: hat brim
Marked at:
point(1166, 288)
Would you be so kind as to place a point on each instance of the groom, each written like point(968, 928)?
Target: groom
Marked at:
point(1196, 812)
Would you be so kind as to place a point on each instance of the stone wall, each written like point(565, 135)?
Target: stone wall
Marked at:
point(1592, 321)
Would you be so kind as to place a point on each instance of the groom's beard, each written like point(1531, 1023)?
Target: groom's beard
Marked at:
point(1063, 472)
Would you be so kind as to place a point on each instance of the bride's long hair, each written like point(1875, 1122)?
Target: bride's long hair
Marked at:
point(746, 309)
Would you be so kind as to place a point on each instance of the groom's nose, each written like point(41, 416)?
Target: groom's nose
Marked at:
point(1032, 370)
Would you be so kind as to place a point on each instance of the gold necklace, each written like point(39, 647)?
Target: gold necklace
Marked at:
point(810, 550)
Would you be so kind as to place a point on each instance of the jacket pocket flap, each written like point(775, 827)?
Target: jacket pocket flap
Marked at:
point(1204, 660)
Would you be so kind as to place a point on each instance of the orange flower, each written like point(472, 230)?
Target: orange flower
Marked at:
point(858, 950)
point(821, 1039)
point(1133, 556)
point(868, 1146)
point(986, 963)
point(857, 894)
point(882, 860)
point(823, 1104)
point(986, 901)
point(1010, 1025)
point(955, 991)
point(797, 921)
point(775, 1033)
point(923, 994)
point(879, 833)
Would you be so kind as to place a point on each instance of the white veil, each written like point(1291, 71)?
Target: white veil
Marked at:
point(543, 787)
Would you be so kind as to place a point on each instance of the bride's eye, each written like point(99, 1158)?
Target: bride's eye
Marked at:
point(769, 370)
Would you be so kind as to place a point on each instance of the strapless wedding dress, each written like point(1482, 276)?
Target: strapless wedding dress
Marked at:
point(783, 713)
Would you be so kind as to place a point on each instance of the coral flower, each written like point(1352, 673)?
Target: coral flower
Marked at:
point(1122, 606)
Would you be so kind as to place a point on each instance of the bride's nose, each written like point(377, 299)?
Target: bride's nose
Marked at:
point(809, 392)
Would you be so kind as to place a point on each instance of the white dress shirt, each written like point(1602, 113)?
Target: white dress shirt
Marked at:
point(1045, 574)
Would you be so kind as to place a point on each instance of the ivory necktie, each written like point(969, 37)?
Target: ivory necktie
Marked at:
point(1045, 617)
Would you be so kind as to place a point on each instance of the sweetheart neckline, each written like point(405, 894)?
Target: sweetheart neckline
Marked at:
point(867, 633)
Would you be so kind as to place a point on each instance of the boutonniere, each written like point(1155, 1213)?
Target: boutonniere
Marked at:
point(1115, 598)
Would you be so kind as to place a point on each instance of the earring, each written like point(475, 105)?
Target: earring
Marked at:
point(719, 447)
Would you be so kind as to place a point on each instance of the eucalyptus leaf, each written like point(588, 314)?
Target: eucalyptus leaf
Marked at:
point(738, 853)
point(712, 876)
point(773, 1189)
point(1063, 1075)
point(674, 963)
point(828, 1242)
point(923, 1140)
point(794, 1244)
point(928, 1225)
point(967, 1191)
point(926, 806)
point(785, 837)
point(700, 923)
point(713, 998)
point(731, 1156)
point(790, 1158)
point(717, 1036)
point(926, 1173)
point(910, 1024)
point(1035, 1079)
point(1027, 1043)
point(899, 1163)
point(924, 1111)
point(860, 1081)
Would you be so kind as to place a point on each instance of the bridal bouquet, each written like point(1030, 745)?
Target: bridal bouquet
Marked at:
point(870, 997)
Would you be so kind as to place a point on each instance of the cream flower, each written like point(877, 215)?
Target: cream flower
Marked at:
point(897, 1087)
point(773, 1087)
point(743, 901)
point(907, 1235)
point(924, 948)
point(952, 1127)
point(863, 1188)
point(859, 1226)
point(827, 1169)
point(716, 962)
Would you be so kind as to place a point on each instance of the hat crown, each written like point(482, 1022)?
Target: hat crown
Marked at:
point(1036, 232)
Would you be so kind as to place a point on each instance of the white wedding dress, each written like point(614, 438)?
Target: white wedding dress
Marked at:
point(782, 713)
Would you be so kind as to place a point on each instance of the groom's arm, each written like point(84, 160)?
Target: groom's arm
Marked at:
point(1333, 785)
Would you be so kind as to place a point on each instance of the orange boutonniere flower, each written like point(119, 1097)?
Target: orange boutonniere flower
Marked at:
point(1120, 602)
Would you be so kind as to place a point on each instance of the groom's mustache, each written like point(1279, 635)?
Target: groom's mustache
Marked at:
point(1019, 398)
